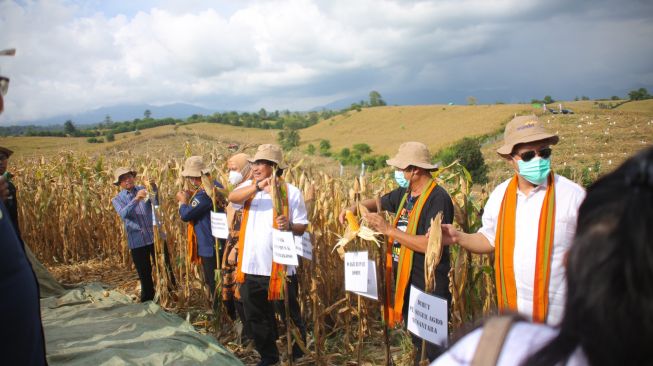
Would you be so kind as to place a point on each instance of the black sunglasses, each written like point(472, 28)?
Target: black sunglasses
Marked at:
point(527, 156)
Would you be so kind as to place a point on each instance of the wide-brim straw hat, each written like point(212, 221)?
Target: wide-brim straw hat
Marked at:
point(412, 153)
point(194, 167)
point(269, 152)
point(120, 172)
point(6, 151)
point(521, 130)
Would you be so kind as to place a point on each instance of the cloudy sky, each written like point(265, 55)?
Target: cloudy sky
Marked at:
point(78, 55)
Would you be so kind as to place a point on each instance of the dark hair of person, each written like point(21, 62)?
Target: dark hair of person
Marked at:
point(609, 306)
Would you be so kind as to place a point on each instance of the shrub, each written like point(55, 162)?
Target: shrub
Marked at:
point(468, 151)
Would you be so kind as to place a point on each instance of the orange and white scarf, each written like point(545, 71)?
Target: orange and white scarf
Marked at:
point(393, 309)
point(278, 273)
point(504, 248)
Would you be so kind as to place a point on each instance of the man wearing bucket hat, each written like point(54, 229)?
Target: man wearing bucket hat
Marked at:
point(529, 222)
point(195, 208)
point(262, 279)
point(415, 202)
point(135, 210)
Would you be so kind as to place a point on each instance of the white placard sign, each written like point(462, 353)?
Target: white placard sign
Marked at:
point(428, 317)
point(283, 248)
point(219, 225)
point(356, 271)
point(154, 212)
point(304, 246)
point(372, 289)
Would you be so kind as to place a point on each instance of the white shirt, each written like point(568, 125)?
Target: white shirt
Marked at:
point(523, 340)
point(257, 251)
point(568, 196)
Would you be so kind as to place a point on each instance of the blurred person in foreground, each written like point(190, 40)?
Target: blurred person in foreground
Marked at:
point(239, 171)
point(416, 201)
point(135, 210)
point(11, 202)
point(21, 336)
point(529, 222)
point(262, 279)
point(608, 312)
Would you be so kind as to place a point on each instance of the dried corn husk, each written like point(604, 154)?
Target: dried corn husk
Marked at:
point(433, 252)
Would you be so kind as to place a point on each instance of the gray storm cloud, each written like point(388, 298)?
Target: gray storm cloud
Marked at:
point(298, 54)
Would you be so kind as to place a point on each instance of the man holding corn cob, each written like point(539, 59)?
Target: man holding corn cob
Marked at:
point(415, 203)
point(528, 222)
point(195, 208)
point(269, 203)
point(135, 210)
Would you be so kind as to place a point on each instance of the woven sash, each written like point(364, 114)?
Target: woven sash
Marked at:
point(278, 273)
point(405, 257)
point(504, 248)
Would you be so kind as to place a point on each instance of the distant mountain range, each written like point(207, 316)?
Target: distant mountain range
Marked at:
point(129, 112)
point(122, 113)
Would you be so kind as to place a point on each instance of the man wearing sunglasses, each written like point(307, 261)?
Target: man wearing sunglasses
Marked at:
point(528, 222)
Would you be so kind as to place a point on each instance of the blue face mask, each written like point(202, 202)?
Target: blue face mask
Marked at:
point(401, 180)
point(535, 170)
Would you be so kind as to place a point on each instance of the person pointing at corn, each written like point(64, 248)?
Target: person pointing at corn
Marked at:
point(529, 222)
point(416, 201)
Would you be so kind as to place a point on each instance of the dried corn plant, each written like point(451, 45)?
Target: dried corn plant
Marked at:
point(67, 217)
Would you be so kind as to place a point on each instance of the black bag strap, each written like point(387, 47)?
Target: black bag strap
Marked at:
point(494, 334)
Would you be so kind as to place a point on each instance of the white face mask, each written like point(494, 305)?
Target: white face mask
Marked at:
point(235, 177)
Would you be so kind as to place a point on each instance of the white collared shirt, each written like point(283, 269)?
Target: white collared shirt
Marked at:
point(569, 196)
point(257, 250)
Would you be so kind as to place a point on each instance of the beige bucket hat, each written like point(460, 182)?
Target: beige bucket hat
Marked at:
point(521, 130)
point(194, 167)
point(269, 152)
point(121, 171)
point(412, 153)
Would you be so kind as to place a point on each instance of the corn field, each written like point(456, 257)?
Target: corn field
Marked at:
point(67, 217)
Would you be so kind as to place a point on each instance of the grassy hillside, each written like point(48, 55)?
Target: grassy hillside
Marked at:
point(592, 141)
point(642, 106)
point(165, 138)
point(385, 128)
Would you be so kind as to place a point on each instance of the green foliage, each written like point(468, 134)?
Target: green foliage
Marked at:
point(584, 97)
point(95, 140)
point(375, 99)
point(147, 114)
point(362, 149)
point(547, 99)
point(468, 152)
point(614, 97)
point(325, 148)
point(288, 139)
point(69, 128)
point(110, 137)
point(310, 149)
point(639, 94)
